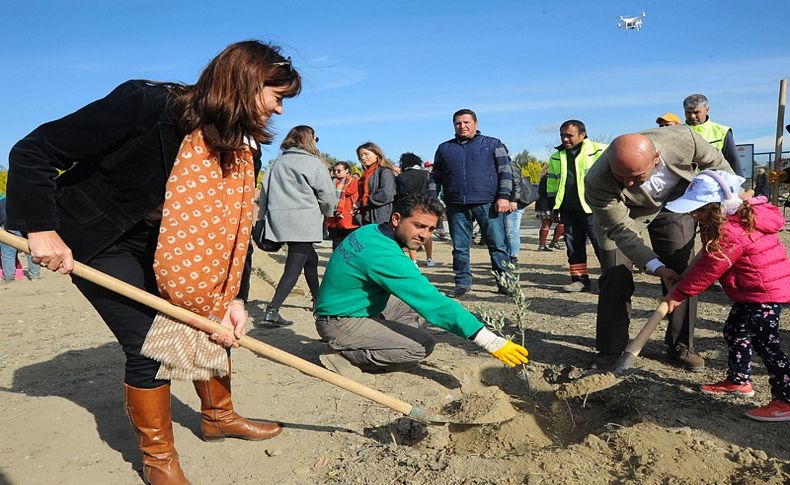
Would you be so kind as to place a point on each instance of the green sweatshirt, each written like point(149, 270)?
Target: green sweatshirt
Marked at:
point(368, 267)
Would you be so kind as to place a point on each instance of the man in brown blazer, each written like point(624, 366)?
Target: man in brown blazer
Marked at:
point(627, 189)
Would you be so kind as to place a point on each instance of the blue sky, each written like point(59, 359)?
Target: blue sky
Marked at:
point(394, 72)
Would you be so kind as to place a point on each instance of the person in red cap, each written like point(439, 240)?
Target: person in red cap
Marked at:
point(668, 119)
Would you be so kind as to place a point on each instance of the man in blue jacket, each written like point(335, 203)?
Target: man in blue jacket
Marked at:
point(474, 172)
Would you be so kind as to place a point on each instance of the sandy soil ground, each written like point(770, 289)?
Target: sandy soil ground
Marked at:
point(63, 421)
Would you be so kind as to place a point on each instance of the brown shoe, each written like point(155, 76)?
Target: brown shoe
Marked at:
point(220, 421)
point(149, 413)
point(687, 357)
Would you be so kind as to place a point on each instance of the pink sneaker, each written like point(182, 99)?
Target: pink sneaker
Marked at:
point(727, 387)
point(776, 410)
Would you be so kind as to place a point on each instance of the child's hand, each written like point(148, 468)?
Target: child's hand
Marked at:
point(668, 276)
point(672, 304)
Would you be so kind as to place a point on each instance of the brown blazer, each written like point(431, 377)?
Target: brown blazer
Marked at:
point(620, 214)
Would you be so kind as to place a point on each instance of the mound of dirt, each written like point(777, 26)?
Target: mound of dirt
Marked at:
point(486, 406)
point(587, 385)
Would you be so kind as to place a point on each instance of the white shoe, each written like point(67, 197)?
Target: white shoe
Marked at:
point(430, 263)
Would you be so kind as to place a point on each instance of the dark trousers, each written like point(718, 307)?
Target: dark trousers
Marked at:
point(756, 326)
point(129, 259)
point(244, 286)
point(337, 234)
point(301, 256)
point(672, 237)
point(578, 228)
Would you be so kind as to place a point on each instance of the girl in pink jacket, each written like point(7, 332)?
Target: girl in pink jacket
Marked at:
point(741, 250)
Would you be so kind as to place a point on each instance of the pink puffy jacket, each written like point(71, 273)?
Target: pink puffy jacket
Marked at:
point(756, 268)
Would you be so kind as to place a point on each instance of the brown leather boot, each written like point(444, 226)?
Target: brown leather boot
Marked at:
point(149, 413)
point(220, 421)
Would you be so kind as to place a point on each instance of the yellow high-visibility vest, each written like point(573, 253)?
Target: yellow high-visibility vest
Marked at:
point(589, 151)
point(713, 133)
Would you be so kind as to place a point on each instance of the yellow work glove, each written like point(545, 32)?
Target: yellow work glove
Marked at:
point(511, 354)
point(508, 352)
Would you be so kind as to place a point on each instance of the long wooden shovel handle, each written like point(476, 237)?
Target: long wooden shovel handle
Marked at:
point(208, 326)
point(635, 346)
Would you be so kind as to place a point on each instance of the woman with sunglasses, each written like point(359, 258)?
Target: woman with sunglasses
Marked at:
point(341, 223)
point(156, 190)
point(376, 186)
point(297, 193)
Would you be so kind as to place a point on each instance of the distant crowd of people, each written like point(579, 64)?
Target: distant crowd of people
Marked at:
point(158, 185)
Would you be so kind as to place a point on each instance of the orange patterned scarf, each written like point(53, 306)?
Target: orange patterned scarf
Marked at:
point(364, 184)
point(200, 253)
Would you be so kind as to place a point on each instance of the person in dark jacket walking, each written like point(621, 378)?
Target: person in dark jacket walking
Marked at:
point(414, 180)
point(761, 186)
point(152, 173)
point(474, 173)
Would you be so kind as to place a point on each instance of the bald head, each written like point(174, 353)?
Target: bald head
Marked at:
point(632, 159)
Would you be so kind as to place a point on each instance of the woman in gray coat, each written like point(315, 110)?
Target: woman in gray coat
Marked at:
point(297, 193)
point(376, 186)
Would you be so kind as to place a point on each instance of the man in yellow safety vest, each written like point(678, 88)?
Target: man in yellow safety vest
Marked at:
point(719, 136)
point(567, 168)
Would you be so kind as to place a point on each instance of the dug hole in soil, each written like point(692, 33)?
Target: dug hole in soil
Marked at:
point(61, 373)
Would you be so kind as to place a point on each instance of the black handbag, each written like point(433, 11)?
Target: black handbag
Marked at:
point(259, 229)
point(259, 237)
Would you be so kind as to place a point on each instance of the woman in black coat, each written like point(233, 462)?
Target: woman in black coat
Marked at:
point(105, 210)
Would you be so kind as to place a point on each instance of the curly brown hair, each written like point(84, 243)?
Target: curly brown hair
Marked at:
point(710, 226)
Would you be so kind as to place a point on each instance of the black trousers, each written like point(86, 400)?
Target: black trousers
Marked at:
point(672, 236)
point(244, 285)
point(301, 256)
point(578, 228)
point(337, 234)
point(129, 259)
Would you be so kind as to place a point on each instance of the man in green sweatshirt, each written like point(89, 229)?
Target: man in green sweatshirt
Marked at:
point(373, 301)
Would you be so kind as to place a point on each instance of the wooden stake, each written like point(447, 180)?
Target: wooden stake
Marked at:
point(780, 117)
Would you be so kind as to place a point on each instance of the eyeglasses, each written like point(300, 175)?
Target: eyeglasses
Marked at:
point(338, 170)
point(285, 63)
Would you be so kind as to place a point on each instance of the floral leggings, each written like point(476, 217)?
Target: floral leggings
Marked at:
point(757, 325)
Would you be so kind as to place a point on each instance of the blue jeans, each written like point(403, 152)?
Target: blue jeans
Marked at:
point(492, 228)
point(8, 258)
point(513, 229)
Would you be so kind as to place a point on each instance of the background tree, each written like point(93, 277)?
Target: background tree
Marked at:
point(530, 166)
point(3, 180)
point(329, 160)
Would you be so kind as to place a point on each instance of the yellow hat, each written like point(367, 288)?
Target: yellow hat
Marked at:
point(669, 117)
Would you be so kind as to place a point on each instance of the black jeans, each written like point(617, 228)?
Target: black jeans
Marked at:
point(672, 237)
point(301, 255)
point(129, 259)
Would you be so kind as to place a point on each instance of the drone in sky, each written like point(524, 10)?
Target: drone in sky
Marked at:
point(631, 23)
